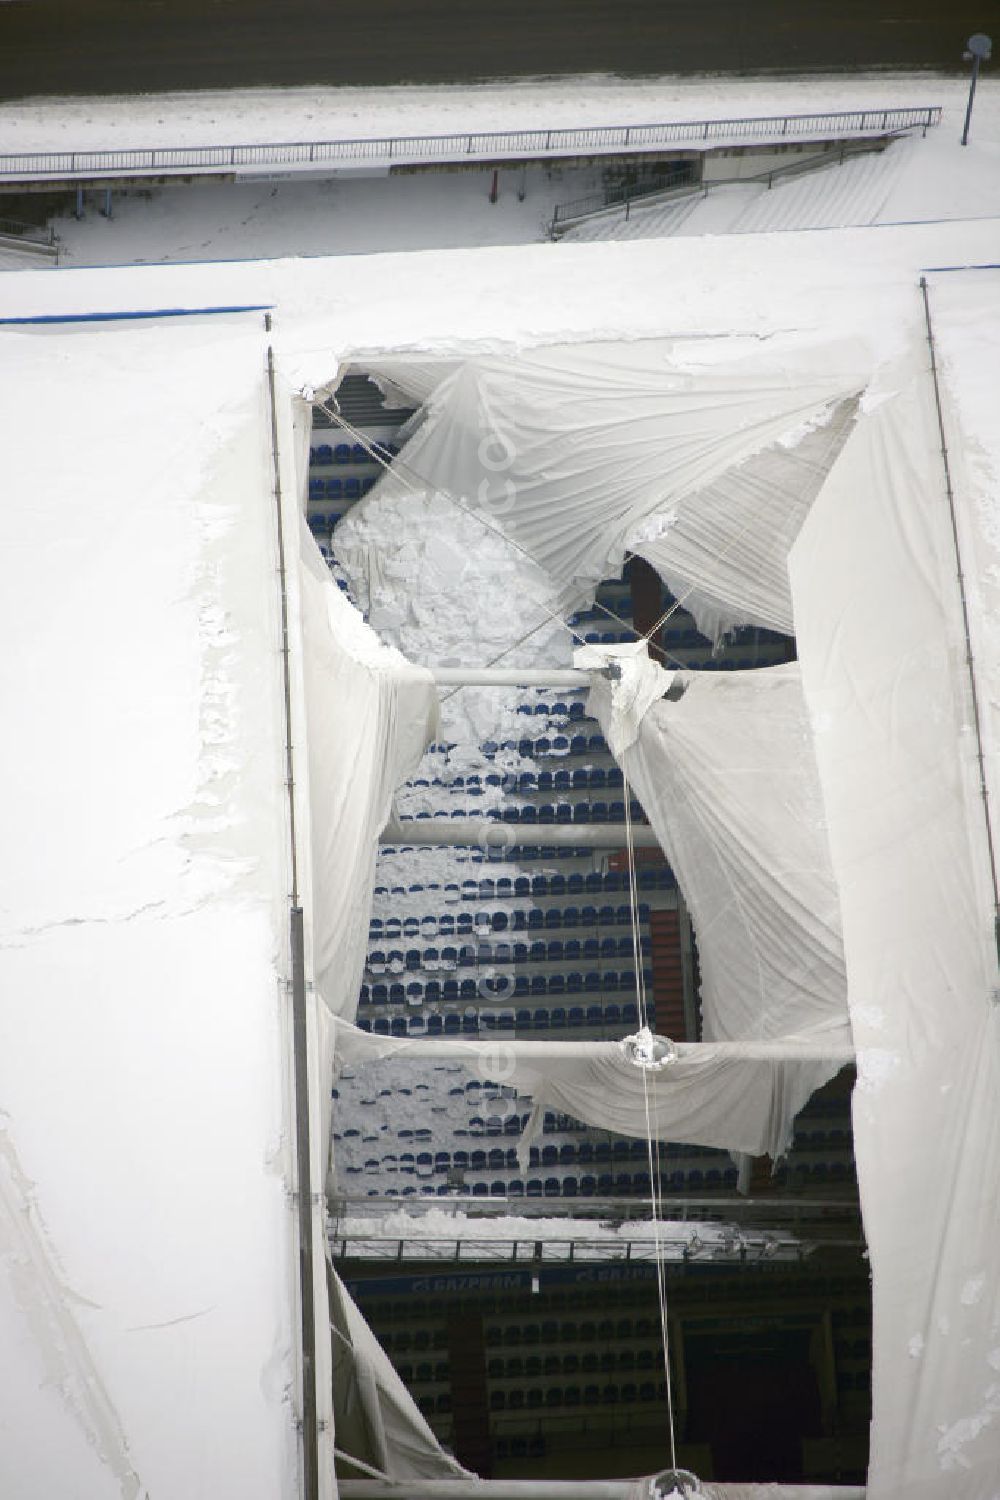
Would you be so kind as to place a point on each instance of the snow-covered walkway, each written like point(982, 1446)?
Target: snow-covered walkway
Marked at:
point(914, 179)
point(926, 178)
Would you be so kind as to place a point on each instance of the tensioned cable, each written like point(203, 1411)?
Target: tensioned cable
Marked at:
point(652, 1143)
point(970, 660)
point(716, 557)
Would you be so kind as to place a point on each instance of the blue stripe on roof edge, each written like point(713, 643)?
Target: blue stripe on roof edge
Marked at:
point(155, 312)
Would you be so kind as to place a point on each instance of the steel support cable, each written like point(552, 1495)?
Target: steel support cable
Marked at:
point(969, 658)
point(679, 602)
point(652, 1138)
point(716, 557)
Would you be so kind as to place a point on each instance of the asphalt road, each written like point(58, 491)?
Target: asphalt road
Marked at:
point(146, 46)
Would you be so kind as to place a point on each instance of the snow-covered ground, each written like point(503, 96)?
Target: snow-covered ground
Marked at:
point(423, 210)
point(916, 179)
point(296, 114)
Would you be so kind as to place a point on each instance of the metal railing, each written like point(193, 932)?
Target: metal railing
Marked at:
point(569, 215)
point(484, 145)
point(830, 1217)
point(32, 234)
point(739, 1248)
point(621, 194)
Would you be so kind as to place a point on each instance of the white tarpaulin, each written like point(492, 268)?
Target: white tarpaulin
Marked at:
point(727, 776)
point(370, 715)
point(883, 654)
point(571, 448)
point(377, 1420)
point(733, 1097)
point(147, 1317)
point(724, 551)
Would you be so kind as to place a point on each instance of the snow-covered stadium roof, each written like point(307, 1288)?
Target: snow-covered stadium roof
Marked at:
point(150, 1268)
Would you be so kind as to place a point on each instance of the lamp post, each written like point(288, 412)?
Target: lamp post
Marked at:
point(978, 51)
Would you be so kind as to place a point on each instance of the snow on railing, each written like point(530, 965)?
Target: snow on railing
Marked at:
point(481, 146)
point(742, 1248)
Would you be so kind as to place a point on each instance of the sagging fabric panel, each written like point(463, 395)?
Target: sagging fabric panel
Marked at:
point(723, 551)
point(883, 661)
point(708, 1096)
point(370, 715)
point(377, 1420)
point(727, 776)
point(570, 448)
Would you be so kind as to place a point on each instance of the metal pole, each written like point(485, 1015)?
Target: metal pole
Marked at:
point(503, 1048)
point(285, 667)
point(972, 95)
point(300, 1052)
point(969, 658)
point(543, 677)
point(574, 1489)
point(300, 1040)
point(480, 833)
point(348, 1458)
point(488, 1489)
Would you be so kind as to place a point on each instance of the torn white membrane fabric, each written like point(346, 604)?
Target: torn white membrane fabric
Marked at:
point(727, 776)
point(377, 1420)
point(883, 654)
point(370, 715)
point(736, 1097)
point(571, 448)
point(724, 549)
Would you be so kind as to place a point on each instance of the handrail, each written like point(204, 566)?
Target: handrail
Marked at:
point(548, 1250)
point(563, 219)
point(478, 145)
point(679, 1207)
point(31, 234)
point(618, 196)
